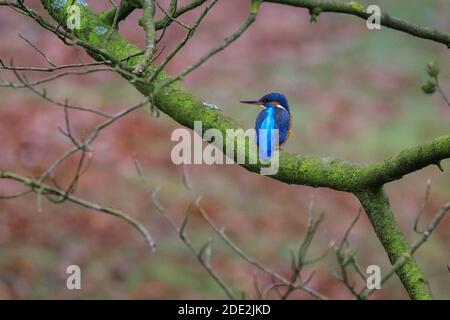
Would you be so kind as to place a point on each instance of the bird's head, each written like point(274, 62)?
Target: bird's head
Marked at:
point(273, 99)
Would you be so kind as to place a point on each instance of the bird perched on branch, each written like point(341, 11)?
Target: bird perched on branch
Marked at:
point(275, 116)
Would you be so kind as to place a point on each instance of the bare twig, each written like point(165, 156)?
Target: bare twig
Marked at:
point(49, 190)
point(91, 137)
point(8, 84)
point(148, 25)
point(172, 8)
point(345, 257)
point(120, 13)
point(229, 40)
point(174, 14)
point(43, 94)
point(423, 208)
point(199, 254)
point(182, 43)
point(38, 50)
point(280, 281)
point(50, 69)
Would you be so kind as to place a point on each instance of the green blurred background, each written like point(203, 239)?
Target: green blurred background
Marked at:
point(354, 94)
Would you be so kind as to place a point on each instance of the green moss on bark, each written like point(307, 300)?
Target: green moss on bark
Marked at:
point(378, 210)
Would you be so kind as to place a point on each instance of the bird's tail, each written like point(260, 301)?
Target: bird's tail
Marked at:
point(267, 142)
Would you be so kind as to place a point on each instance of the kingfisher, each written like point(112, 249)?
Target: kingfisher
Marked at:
point(276, 115)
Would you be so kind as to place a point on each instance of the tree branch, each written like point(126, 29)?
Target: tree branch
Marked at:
point(378, 209)
point(174, 13)
point(356, 9)
point(407, 161)
point(406, 256)
point(118, 14)
point(42, 188)
point(148, 25)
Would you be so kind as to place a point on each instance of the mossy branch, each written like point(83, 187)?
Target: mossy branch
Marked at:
point(327, 172)
point(356, 9)
point(378, 209)
point(119, 13)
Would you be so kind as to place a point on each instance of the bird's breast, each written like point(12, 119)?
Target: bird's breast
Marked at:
point(275, 119)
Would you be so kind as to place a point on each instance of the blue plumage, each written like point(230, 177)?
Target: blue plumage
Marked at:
point(275, 116)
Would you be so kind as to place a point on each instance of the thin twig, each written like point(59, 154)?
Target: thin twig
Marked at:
point(49, 190)
point(199, 254)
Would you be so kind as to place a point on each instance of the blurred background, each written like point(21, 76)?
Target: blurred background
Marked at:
point(354, 94)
